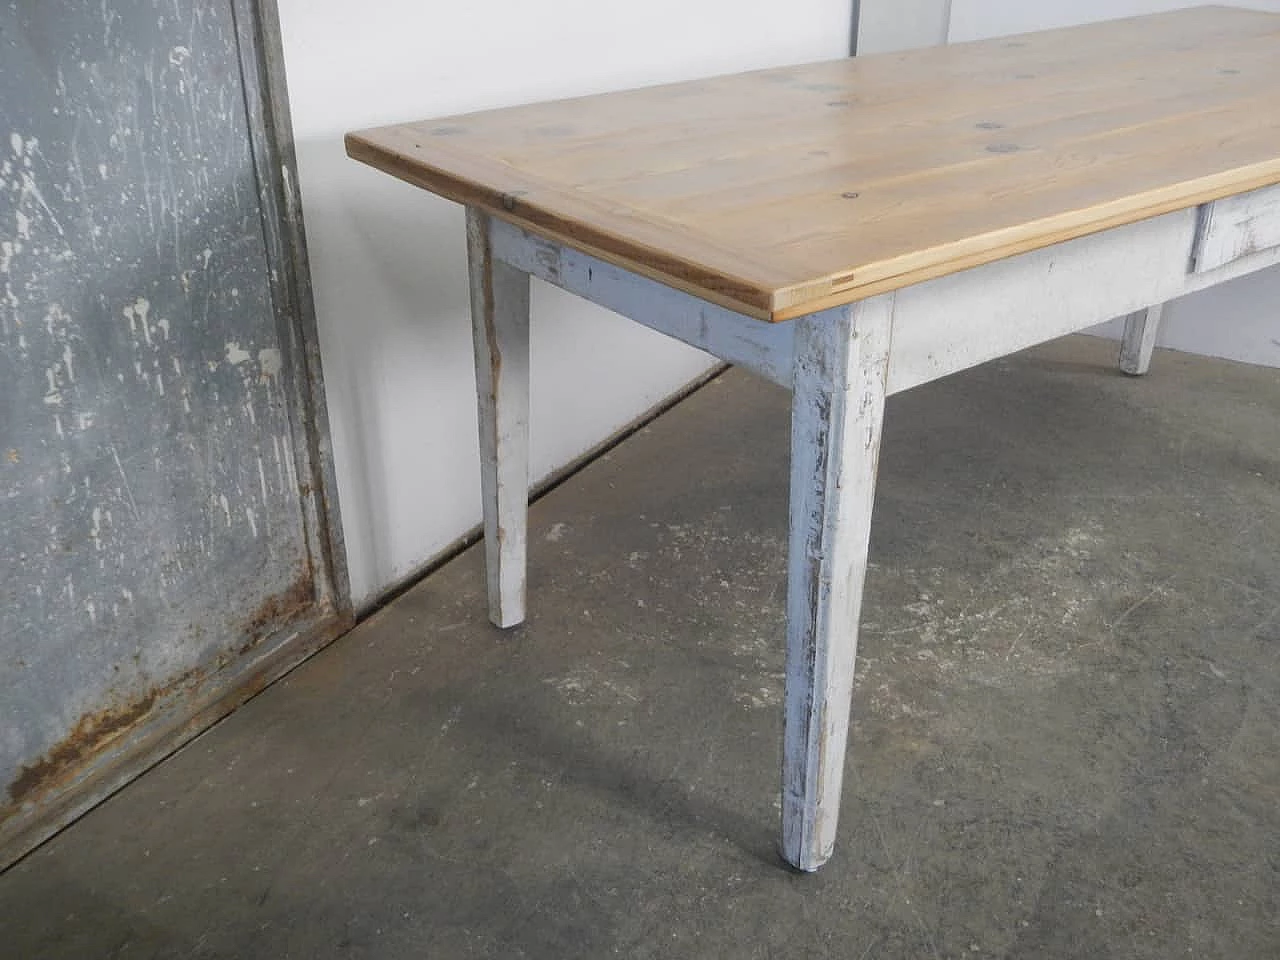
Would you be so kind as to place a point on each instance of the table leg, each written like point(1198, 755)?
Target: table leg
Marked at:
point(500, 326)
point(841, 362)
point(1139, 340)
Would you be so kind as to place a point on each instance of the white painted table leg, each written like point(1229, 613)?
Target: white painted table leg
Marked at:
point(1139, 340)
point(841, 364)
point(500, 324)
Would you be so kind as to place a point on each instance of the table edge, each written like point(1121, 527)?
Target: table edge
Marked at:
point(716, 286)
point(784, 302)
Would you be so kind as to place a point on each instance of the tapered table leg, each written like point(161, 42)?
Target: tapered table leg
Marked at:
point(500, 325)
point(1139, 340)
point(841, 360)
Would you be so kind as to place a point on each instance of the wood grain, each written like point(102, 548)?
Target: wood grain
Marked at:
point(780, 192)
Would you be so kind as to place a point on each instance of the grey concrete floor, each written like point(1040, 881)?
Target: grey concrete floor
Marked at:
point(1067, 740)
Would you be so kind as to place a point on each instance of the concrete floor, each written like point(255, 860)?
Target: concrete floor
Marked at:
point(1068, 715)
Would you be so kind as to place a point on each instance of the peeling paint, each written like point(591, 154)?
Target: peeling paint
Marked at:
point(270, 362)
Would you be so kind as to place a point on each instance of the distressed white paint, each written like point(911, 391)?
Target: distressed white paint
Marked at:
point(270, 362)
point(500, 333)
point(388, 261)
point(841, 362)
point(1235, 227)
point(237, 354)
point(838, 365)
point(1139, 340)
point(967, 318)
point(95, 529)
point(844, 363)
point(763, 348)
point(1003, 307)
point(136, 313)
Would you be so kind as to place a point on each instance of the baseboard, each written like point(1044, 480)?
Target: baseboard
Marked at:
point(540, 489)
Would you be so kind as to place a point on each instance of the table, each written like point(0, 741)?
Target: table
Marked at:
point(850, 229)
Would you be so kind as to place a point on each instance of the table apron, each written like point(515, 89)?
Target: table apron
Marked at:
point(761, 347)
point(959, 321)
point(940, 326)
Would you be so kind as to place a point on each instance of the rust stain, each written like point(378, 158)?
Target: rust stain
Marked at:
point(254, 684)
point(95, 732)
point(90, 736)
point(13, 456)
point(278, 608)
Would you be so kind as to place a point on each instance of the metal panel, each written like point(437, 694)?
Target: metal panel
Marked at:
point(166, 519)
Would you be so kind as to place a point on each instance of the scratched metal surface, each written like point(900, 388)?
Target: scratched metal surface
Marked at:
point(150, 518)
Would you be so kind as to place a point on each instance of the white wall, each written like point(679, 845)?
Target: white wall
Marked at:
point(888, 25)
point(977, 19)
point(388, 260)
point(1239, 320)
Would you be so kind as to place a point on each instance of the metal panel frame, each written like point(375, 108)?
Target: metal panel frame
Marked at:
point(275, 161)
point(292, 634)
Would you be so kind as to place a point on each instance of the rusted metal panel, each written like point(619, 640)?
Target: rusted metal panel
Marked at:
point(166, 521)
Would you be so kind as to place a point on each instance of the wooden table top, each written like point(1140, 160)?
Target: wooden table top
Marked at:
point(780, 192)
